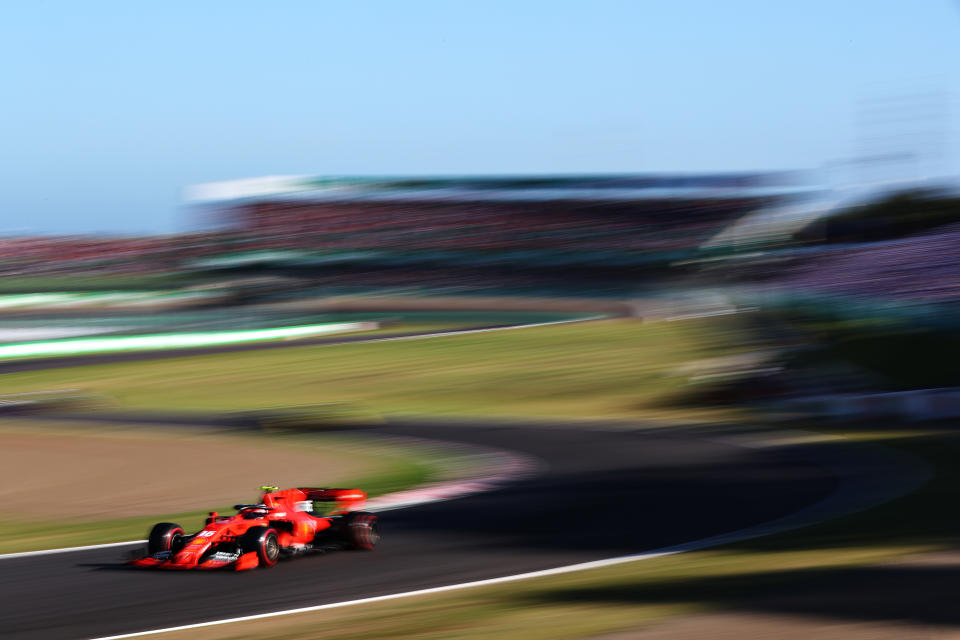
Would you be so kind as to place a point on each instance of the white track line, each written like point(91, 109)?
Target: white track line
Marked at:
point(460, 332)
point(46, 552)
point(595, 564)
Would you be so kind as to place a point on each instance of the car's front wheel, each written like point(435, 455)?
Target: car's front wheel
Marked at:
point(265, 542)
point(165, 536)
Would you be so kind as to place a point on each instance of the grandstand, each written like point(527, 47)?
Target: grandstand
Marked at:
point(527, 232)
point(594, 233)
point(535, 213)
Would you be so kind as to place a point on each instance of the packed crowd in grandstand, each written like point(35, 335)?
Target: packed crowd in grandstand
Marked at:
point(924, 267)
point(498, 234)
point(641, 226)
point(100, 254)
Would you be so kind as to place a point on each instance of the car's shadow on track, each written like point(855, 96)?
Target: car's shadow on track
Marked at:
point(106, 566)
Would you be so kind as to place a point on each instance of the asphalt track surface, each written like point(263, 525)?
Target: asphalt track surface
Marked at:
point(602, 493)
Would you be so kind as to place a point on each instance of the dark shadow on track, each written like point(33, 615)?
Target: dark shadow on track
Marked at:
point(891, 593)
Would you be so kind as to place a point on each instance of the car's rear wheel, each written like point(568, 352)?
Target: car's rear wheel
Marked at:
point(165, 536)
point(265, 542)
point(362, 530)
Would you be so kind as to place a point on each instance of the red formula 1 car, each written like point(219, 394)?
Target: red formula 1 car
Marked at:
point(258, 535)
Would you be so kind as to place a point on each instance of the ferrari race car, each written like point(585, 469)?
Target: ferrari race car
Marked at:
point(282, 524)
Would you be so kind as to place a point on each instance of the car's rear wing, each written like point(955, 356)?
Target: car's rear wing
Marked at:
point(348, 498)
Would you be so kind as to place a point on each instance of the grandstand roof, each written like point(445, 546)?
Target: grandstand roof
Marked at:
point(601, 187)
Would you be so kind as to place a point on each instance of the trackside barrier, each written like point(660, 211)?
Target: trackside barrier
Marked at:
point(53, 400)
point(313, 417)
point(915, 405)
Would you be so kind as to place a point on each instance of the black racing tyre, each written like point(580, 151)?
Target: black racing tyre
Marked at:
point(165, 536)
point(361, 530)
point(265, 542)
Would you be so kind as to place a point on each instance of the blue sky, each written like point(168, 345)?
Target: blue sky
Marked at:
point(110, 108)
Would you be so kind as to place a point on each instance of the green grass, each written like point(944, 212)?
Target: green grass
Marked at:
point(613, 369)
